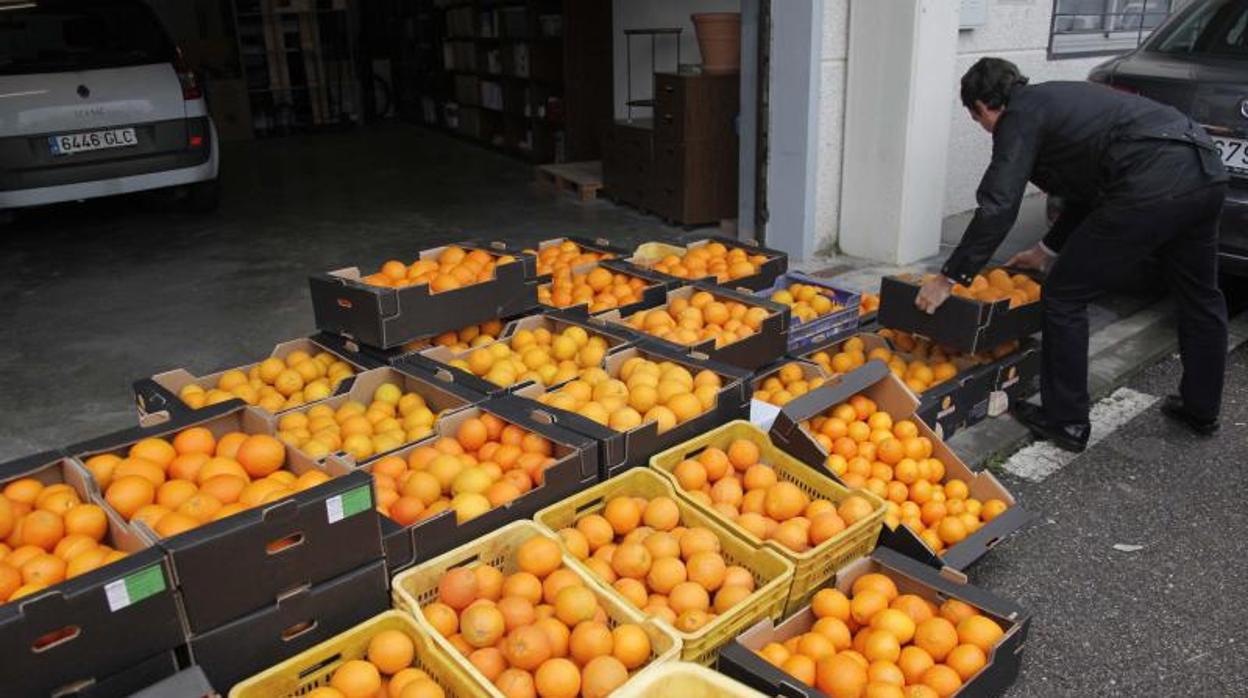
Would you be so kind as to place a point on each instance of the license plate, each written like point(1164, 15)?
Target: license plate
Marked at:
point(93, 140)
point(1234, 153)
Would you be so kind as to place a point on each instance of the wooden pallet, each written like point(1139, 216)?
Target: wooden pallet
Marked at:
point(582, 178)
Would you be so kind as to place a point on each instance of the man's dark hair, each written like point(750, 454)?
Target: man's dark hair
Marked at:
point(990, 80)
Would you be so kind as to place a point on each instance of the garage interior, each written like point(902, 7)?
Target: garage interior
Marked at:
point(347, 140)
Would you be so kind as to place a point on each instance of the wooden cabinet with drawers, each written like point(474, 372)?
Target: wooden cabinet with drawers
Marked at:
point(682, 163)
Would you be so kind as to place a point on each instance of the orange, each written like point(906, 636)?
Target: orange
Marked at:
point(43, 570)
point(481, 625)
point(575, 604)
point(980, 631)
point(937, 637)
point(137, 466)
point(10, 580)
point(913, 606)
point(391, 651)
point(43, 529)
point(742, 454)
point(896, 623)
point(557, 678)
point(913, 661)
point(195, 440)
point(442, 617)
point(155, 450)
point(588, 640)
point(881, 645)
point(524, 585)
point(623, 514)
point(174, 522)
point(526, 647)
point(966, 660)
point(72, 545)
point(129, 493)
point(101, 467)
point(356, 678)
point(630, 645)
point(601, 676)
point(840, 676)
point(88, 520)
point(227, 445)
point(538, 556)
point(866, 604)
point(802, 668)
point(516, 683)
point(943, 680)
point(458, 588)
point(830, 603)
point(956, 611)
point(260, 454)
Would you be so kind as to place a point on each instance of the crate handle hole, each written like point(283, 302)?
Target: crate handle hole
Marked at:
point(591, 504)
point(283, 544)
point(319, 666)
point(56, 638)
point(298, 629)
point(467, 561)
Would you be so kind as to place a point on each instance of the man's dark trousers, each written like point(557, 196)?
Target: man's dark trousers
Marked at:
point(1106, 251)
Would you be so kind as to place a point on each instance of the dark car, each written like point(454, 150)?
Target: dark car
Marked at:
point(1197, 61)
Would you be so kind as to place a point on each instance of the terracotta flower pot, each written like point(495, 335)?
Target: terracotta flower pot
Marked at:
point(719, 40)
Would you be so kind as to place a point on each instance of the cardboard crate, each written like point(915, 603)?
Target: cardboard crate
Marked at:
point(599, 245)
point(961, 323)
point(435, 362)
point(313, 668)
point(875, 381)
point(442, 398)
point(824, 329)
point(228, 568)
point(299, 619)
point(647, 254)
point(619, 451)
point(65, 635)
point(160, 392)
point(1005, 381)
point(739, 659)
point(416, 588)
point(763, 413)
point(389, 317)
point(943, 406)
point(576, 467)
point(759, 349)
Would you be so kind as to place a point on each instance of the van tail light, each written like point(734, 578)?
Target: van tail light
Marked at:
point(190, 85)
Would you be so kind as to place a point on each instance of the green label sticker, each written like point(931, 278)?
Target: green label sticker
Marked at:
point(349, 503)
point(130, 590)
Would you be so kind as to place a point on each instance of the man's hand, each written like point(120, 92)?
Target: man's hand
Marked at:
point(1036, 257)
point(933, 294)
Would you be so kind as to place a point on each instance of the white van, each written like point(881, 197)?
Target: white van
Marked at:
point(95, 101)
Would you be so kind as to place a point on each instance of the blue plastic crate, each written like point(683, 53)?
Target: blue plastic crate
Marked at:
point(823, 329)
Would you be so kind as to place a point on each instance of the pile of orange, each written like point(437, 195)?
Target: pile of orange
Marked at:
point(785, 384)
point(867, 448)
point(486, 464)
point(667, 570)
point(454, 268)
point(998, 285)
point(700, 317)
point(752, 494)
point(385, 672)
point(464, 339)
point(567, 254)
point(642, 391)
point(806, 301)
point(175, 486)
point(392, 419)
point(599, 288)
point(275, 384)
point(49, 535)
point(536, 355)
point(923, 349)
point(540, 631)
point(880, 643)
point(869, 303)
point(918, 374)
point(712, 259)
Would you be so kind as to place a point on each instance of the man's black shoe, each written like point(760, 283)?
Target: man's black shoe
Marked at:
point(1174, 408)
point(1071, 437)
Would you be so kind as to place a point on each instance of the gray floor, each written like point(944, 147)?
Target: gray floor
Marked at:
point(1165, 620)
point(98, 294)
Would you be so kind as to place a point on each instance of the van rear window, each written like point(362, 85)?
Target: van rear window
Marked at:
point(51, 36)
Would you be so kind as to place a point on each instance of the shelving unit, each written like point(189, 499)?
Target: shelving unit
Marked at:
point(298, 60)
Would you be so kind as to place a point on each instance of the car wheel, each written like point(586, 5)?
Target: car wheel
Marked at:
point(203, 197)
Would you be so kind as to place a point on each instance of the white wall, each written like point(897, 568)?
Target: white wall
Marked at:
point(638, 14)
point(831, 121)
point(1016, 30)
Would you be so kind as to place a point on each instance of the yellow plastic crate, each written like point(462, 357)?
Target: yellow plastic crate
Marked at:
point(419, 586)
point(313, 667)
point(772, 573)
point(810, 568)
point(686, 680)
